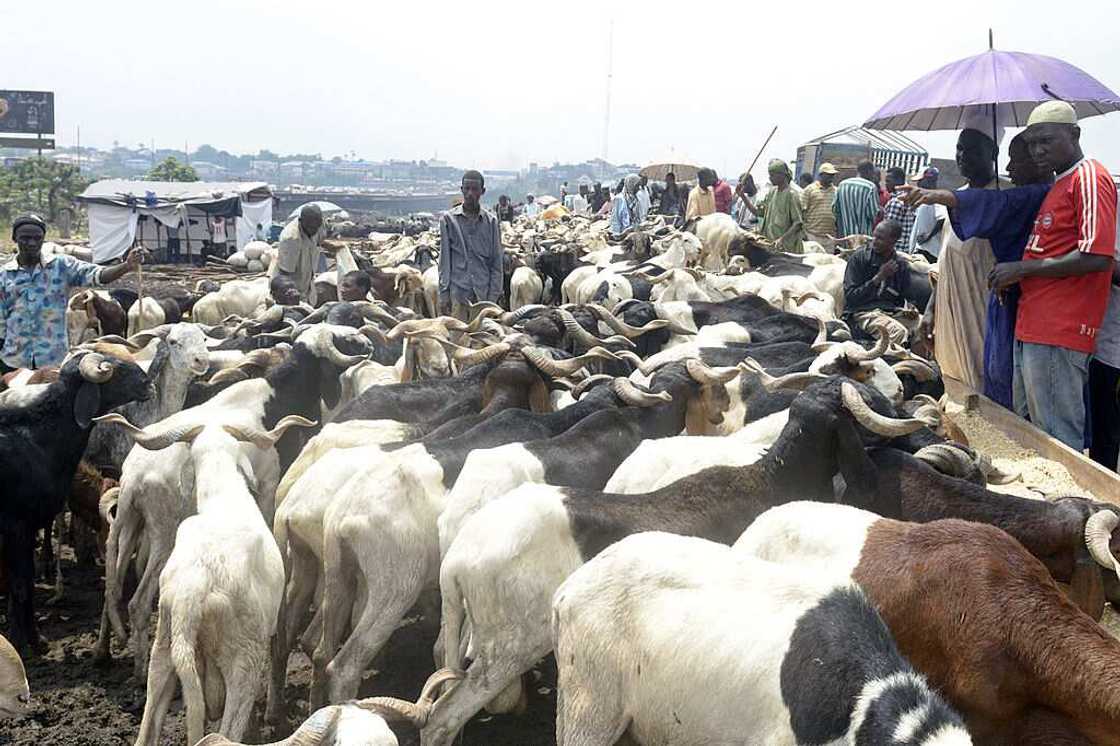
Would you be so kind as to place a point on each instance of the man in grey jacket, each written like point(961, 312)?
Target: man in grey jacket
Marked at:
point(470, 252)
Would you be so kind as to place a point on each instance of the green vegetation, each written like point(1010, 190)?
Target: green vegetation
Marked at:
point(171, 170)
point(38, 185)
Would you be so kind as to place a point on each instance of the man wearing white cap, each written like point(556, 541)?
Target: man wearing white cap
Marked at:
point(816, 208)
point(957, 310)
point(1064, 276)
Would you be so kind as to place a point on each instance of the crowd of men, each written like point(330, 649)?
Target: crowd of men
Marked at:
point(1022, 303)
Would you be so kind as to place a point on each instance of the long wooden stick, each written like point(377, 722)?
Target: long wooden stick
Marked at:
point(763, 148)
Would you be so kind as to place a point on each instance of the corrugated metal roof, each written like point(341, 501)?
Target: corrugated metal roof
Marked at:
point(878, 139)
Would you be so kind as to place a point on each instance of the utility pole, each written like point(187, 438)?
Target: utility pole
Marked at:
point(79, 149)
point(610, 76)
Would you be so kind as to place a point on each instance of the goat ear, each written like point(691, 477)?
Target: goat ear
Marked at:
point(163, 352)
point(539, 400)
point(86, 404)
point(329, 386)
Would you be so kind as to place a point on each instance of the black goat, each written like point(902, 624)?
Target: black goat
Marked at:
point(42, 443)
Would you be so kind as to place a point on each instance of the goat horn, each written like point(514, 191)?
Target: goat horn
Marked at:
point(921, 371)
point(1098, 538)
point(888, 427)
point(373, 312)
point(557, 368)
point(489, 312)
point(317, 730)
point(576, 331)
point(994, 474)
point(707, 375)
point(267, 439)
point(465, 357)
point(156, 439)
point(812, 295)
point(581, 388)
point(105, 505)
point(882, 341)
point(95, 368)
point(946, 459)
point(625, 390)
point(335, 356)
point(116, 339)
point(621, 326)
point(796, 381)
point(821, 340)
point(511, 318)
point(374, 334)
point(415, 712)
point(229, 375)
point(631, 358)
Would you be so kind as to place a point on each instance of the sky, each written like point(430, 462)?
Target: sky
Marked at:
point(500, 85)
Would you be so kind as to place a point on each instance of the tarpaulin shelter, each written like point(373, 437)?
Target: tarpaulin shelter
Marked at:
point(122, 213)
point(845, 148)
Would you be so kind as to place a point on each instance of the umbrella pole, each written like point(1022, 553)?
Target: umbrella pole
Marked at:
point(763, 148)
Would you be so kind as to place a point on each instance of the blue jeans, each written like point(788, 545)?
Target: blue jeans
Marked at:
point(1049, 385)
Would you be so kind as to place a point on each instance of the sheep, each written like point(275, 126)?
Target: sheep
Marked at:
point(236, 297)
point(525, 287)
point(972, 610)
point(1063, 534)
point(181, 355)
point(42, 443)
point(157, 489)
point(15, 696)
point(384, 518)
point(220, 589)
point(716, 232)
point(753, 652)
point(357, 723)
point(148, 313)
point(93, 313)
point(509, 557)
point(657, 463)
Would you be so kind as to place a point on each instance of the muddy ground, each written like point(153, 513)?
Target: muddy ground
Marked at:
point(78, 703)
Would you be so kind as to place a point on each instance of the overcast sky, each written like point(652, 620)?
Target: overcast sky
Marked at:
point(497, 85)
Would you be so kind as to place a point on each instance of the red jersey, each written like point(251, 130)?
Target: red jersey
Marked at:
point(1078, 214)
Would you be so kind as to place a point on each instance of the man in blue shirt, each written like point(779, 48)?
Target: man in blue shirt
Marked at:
point(34, 291)
point(1006, 218)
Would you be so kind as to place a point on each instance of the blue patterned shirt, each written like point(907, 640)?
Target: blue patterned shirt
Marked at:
point(33, 308)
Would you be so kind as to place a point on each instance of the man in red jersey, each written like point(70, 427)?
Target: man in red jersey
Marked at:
point(1064, 277)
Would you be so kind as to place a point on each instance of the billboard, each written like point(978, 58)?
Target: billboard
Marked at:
point(27, 112)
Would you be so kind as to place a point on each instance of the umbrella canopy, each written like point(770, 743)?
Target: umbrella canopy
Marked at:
point(545, 200)
point(674, 162)
point(1013, 82)
point(327, 208)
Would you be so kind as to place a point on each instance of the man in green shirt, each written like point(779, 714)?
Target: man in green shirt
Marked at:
point(780, 210)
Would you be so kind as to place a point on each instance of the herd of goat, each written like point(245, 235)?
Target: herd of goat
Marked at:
point(665, 459)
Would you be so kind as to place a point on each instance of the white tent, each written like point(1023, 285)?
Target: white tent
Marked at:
point(116, 207)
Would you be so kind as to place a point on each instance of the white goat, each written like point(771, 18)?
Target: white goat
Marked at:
point(677, 640)
point(220, 590)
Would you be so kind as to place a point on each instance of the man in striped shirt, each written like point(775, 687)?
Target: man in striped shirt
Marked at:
point(857, 203)
point(816, 207)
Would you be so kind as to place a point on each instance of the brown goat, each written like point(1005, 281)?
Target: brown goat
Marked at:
point(972, 610)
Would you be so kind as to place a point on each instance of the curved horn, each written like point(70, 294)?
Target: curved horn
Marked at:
point(95, 368)
point(465, 357)
point(625, 390)
point(882, 341)
point(812, 295)
point(415, 712)
point(116, 339)
point(374, 334)
point(267, 439)
point(152, 438)
point(558, 368)
point(707, 375)
point(921, 371)
point(581, 388)
point(947, 459)
point(796, 381)
point(511, 318)
point(485, 313)
point(821, 343)
point(577, 332)
point(336, 356)
point(374, 312)
point(1098, 538)
point(631, 358)
point(621, 326)
point(888, 427)
point(229, 375)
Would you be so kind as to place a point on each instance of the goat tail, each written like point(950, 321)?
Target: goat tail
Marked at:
point(124, 531)
point(453, 613)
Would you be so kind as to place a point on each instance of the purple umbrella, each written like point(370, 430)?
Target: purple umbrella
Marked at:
point(1013, 82)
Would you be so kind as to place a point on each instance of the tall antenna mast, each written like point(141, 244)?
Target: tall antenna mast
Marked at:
point(610, 76)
